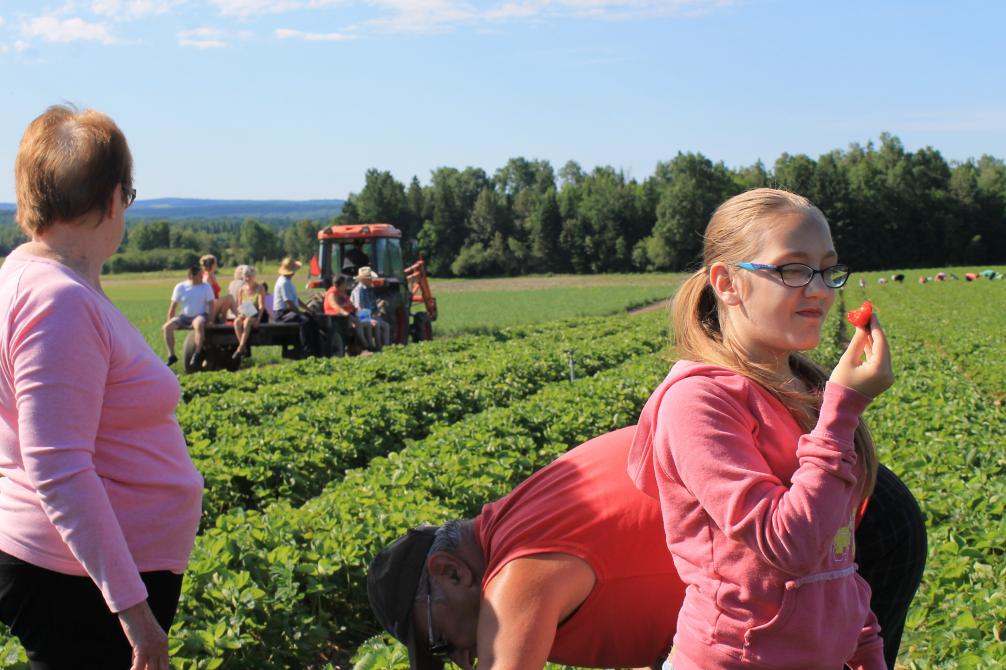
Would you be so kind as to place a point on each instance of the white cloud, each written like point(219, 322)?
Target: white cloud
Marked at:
point(287, 34)
point(52, 29)
point(250, 7)
point(202, 38)
point(420, 16)
point(441, 15)
point(514, 10)
point(133, 9)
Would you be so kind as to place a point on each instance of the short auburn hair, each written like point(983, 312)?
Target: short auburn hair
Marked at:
point(68, 164)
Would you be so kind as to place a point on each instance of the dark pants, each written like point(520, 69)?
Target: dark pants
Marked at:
point(891, 552)
point(63, 621)
point(310, 335)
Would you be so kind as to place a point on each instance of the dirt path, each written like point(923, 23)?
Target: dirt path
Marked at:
point(660, 305)
point(547, 282)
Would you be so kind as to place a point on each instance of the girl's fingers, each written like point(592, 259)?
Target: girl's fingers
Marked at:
point(880, 343)
point(857, 345)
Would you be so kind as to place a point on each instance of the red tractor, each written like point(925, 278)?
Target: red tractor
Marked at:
point(345, 249)
point(342, 249)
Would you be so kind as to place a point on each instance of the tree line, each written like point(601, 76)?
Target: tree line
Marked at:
point(150, 245)
point(887, 207)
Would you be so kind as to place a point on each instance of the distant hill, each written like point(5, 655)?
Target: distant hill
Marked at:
point(193, 208)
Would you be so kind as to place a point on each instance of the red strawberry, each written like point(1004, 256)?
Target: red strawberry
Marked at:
point(861, 317)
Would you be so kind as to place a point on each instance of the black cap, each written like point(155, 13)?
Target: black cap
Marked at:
point(392, 582)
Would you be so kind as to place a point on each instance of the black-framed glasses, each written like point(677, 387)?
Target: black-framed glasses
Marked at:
point(439, 647)
point(129, 195)
point(798, 275)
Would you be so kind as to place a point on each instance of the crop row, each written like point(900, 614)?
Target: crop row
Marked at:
point(281, 588)
point(303, 448)
point(944, 438)
point(393, 363)
point(961, 320)
point(256, 396)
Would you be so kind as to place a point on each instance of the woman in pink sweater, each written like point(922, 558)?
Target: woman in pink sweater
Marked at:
point(99, 500)
point(759, 458)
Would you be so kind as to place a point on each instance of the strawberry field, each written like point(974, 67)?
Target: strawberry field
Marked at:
point(311, 467)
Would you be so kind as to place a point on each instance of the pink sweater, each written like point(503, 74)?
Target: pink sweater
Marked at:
point(759, 518)
point(97, 479)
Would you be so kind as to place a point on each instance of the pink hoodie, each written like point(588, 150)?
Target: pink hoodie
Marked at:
point(759, 518)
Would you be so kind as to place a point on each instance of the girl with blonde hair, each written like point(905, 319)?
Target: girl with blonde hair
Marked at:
point(758, 456)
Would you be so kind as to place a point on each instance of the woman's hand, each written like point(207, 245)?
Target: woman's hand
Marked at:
point(871, 375)
point(145, 635)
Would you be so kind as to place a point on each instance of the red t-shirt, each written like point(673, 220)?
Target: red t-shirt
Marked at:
point(585, 505)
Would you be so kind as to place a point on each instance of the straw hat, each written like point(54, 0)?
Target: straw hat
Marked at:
point(289, 266)
point(366, 273)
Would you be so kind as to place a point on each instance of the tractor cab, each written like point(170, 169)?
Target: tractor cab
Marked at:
point(346, 249)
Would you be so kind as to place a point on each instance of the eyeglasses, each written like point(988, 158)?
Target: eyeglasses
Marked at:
point(439, 647)
point(798, 275)
point(129, 195)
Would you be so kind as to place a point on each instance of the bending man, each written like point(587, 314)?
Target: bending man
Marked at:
point(571, 567)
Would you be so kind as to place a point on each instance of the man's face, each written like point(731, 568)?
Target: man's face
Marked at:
point(452, 617)
point(196, 277)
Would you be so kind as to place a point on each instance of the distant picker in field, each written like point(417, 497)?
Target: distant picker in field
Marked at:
point(196, 300)
point(571, 566)
point(758, 456)
point(99, 500)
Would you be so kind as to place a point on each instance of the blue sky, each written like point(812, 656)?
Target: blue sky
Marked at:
point(295, 99)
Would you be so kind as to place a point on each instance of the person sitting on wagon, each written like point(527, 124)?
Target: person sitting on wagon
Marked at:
point(209, 263)
point(225, 306)
point(572, 567)
point(288, 308)
point(250, 308)
point(364, 297)
point(338, 304)
point(196, 299)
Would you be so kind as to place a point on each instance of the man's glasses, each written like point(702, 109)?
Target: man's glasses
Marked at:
point(439, 647)
point(798, 275)
point(129, 195)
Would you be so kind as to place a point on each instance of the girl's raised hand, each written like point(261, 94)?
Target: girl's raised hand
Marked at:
point(866, 364)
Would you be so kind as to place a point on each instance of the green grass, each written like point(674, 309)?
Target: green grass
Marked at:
point(464, 306)
point(477, 311)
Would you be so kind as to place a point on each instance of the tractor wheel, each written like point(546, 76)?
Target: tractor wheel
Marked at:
point(422, 328)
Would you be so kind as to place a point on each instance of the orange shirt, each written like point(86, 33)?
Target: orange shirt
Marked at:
point(343, 301)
